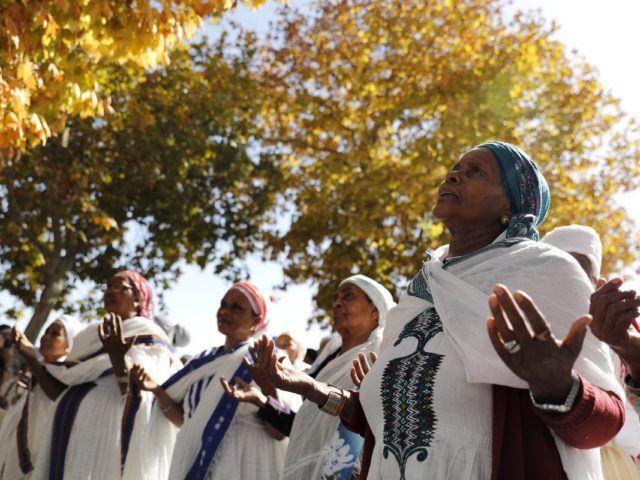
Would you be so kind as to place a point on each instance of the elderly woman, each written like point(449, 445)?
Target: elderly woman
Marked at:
point(444, 400)
point(219, 438)
point(26, 421)
point(100, 424)
point(319, 446)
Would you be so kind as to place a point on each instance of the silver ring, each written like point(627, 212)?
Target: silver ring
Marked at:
point(512, 346)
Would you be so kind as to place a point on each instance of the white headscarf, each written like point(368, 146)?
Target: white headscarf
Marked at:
point(578, 239)
point(71, 326)
point(379, 296)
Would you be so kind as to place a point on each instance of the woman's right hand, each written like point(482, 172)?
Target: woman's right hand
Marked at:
point(143, 379)
point(24, 347)
point(285, 377)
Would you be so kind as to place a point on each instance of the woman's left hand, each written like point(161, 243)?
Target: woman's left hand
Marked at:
point(523, 340)
point(110, 332)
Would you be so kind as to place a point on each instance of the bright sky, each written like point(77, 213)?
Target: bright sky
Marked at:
point(605, 33)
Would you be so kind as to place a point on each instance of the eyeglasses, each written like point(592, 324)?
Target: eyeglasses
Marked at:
point(117, 287)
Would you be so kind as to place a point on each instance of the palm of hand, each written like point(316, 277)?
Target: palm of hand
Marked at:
point(249, 393)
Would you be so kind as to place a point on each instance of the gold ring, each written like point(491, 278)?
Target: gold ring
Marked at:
point(542, 336)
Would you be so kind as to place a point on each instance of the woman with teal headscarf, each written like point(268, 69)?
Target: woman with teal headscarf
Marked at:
point(447, 400)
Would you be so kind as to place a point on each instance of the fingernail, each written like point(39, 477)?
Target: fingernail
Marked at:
point(616, 281)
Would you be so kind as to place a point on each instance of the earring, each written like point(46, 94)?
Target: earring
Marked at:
point(504, 219)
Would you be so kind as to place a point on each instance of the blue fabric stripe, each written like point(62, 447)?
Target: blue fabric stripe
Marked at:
point(216, 428)
point(63, 422)
point(129, 418)
point(193, 365)
point(22, 434)
point(196, 394)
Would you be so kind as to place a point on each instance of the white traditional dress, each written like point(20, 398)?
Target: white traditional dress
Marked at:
point(221, 438)
point(428, 398)
point(22, 431)
point(320, 447)
point(96, 432)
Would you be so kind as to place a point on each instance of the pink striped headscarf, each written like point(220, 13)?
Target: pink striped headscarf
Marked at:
point(143, 292)
point(258, 301)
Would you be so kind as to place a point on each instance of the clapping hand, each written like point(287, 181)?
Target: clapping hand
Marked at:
point(523, 340)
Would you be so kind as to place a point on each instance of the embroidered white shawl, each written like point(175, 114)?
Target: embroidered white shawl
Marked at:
point(460, 295)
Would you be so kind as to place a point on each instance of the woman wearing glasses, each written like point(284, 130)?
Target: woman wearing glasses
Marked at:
point(101, 422)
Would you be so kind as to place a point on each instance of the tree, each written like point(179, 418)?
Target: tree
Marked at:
point(53, 52)
point(372, 101)
point(171, 163)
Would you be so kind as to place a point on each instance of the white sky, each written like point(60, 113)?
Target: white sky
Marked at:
point(605, 33)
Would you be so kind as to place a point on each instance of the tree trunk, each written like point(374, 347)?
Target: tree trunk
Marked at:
point(48, 298)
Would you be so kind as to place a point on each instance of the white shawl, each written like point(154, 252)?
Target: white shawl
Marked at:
point(189, 438)
point(310, 441)
point(460, 293)
point(154, 355)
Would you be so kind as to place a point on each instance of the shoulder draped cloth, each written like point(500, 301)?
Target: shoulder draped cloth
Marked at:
point(459, 290)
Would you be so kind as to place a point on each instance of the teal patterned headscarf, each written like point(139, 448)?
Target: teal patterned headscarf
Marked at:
point(526, 187)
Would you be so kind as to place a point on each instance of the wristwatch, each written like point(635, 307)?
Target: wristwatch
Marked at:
point(335, 401)
point(568, 403)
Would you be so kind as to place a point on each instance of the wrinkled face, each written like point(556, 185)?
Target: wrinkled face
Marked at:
point(53, 343)
point(353, 311)
point(472, 195)
point(585, 263)
point(120, 297)
point(236, 320)
point(286, 343)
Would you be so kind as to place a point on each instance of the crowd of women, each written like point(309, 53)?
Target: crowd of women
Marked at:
point(506, 357)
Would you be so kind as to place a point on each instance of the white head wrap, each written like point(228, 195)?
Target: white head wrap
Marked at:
point(71, 326)
point(379, 296)
point(302, 349)
point(578, 239)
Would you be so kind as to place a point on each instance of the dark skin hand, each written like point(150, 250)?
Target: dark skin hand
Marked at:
point(613, 312)
point(544, 362)
point(171, 410)
point(361, 367)
point(289, 378)
point(246, 392)
point(110, 332)
point(51, 386)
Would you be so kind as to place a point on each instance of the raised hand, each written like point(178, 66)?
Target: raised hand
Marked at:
point(361, 367)
point(141, 378)
point(24, 347)
point(613, 312)
point(244, 392)
point(523, 340)
point(279, 374)
point(110, 332)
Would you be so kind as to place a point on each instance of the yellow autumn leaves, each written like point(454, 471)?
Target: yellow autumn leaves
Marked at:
point(51, 53)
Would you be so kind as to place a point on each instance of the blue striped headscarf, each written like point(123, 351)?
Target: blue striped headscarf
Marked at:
point(526, 187)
